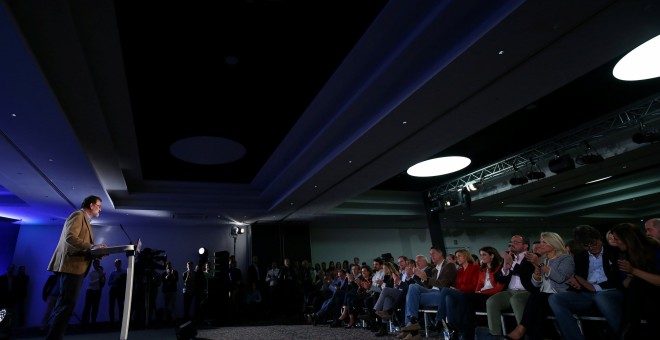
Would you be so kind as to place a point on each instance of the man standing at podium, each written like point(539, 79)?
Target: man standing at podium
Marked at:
point(71, 261)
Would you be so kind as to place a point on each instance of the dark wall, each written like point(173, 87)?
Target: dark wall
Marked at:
point(275, 241)
point(8, 237)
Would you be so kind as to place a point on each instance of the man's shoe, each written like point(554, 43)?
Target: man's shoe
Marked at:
point(412, 326)
point(335, 323)
point(413, 337)
point(383, 314)
point(382, 331)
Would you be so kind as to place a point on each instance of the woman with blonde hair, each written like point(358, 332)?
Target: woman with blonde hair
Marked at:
point(553, 269)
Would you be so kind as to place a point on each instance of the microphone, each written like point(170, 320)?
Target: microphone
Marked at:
point(124, 230)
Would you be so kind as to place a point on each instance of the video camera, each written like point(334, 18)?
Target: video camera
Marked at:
point(152, 259)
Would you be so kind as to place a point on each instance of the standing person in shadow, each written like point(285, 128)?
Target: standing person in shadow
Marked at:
point(71, 262)
point(170, 278)
point(19, 293)
point(49, 295)
point(95, 282)
point(117, 291)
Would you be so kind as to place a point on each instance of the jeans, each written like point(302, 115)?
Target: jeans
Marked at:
point(417, 296)
point(565, 304)
point(445, 307)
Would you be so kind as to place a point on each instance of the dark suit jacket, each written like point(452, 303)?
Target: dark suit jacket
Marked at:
point(610, 257)
point(524, 270)
point(75, 242)
point(447, 276)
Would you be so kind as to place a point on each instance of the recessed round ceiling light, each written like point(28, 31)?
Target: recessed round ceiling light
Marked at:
point(439, 166)
point(640, 63)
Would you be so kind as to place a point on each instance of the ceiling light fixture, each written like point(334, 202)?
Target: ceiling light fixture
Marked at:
point(598, 180)
point(640, 63)
point(439, 166)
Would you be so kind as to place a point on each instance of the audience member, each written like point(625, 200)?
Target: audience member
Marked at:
point(330, 309)
point(597, 283)
point(652, 227)
point(640, 262)
point(117, 290)
point(428, 293)
point(451, 258)
point(516, 274)
point(553, 269)
point(461, 305)
point(95, 284)
point(467, 278)
point(391, 281)
point(170, 280)
point(201, 292)
point(188, 289)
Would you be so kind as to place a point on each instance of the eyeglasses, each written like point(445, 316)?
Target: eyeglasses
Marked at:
point(98, 205)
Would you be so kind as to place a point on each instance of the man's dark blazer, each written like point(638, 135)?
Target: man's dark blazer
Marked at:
point(447, 277)
point(610, 257)
point(524, 270)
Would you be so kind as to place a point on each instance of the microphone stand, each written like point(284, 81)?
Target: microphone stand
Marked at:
point(124, 230)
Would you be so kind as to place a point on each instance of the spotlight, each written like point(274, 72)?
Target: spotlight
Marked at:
point(474, 186)
point(534, 171)
point(203, 255)
point(236, 230)
point(589, 157)
point(561, 163)
point(646, 137)
point(436, 206)
point(518, 178)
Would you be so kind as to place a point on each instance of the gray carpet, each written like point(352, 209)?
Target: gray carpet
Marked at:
point(288, 332)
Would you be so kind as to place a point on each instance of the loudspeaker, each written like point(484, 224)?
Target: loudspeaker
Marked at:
point(186, 331)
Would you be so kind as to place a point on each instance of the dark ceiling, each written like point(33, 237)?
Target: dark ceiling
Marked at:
point(241, 70)
point(330, 101)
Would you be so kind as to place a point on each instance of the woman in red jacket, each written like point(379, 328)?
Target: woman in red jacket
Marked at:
point(460, 306)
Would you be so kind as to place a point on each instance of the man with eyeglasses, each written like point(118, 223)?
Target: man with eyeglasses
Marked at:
point(516, 273)
point(597, 283)
point(71, 262)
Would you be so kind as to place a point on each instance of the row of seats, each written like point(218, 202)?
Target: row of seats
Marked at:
point(428, 311)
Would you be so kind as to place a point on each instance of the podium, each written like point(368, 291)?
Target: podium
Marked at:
point(130, 254)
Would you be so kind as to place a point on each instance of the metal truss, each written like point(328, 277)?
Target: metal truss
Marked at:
point(637, 114)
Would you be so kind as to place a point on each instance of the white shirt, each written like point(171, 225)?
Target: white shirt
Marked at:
point(515, 282)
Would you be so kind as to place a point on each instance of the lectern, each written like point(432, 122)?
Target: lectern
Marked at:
point(130, 254)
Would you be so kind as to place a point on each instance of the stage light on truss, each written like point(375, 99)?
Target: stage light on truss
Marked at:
point(518, 178)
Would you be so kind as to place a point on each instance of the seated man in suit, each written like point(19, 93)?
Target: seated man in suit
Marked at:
point(597, 283)
point(427, 293)
point(516, 274)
